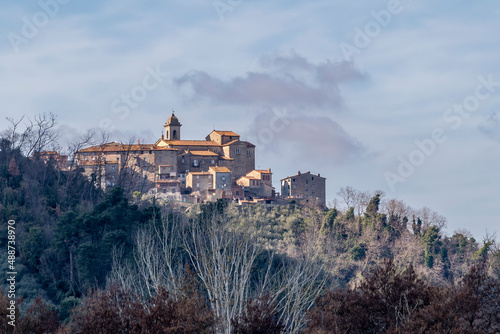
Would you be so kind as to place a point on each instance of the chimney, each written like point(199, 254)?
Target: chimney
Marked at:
point(269, 170)
point(299, 172)
point(139, 141)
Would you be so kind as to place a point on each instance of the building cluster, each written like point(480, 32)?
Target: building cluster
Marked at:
point(220, 166)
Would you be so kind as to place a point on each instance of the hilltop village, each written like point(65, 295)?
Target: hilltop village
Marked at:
point(220, 166)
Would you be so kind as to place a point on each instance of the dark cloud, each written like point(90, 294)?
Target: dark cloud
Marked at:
point(292, 101)
point(283, 81)
point(303, 139)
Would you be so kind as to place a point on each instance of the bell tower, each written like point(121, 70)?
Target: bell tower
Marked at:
point(172, 128)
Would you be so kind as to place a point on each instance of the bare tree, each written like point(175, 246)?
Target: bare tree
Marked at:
point(156, 261)
point(348, 194)
point(394, 207)
point(361, 200)
point(430, 218)
point(76, 145)
point(223, 258)
point(32, 136)
point(296, 287)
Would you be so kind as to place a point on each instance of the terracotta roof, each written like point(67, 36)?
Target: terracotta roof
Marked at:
point(191, 143)
point(204, 153)
point(167, 181)
point(249, 178)
point(48, 153)
point(117, 147)
point(248, 144)
point(200, 173)
point(263, 171)
point(307, 173)
point(227, 133)
point(220, 169)
point(231, 142)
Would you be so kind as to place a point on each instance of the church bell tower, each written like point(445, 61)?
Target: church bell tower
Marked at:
point(172, 128)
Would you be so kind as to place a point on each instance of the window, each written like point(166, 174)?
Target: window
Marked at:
point(197, 185)
point(312, 178)
point(293, 180)
point(171, 159)
point(195, 163)
point(213, 162)
point(150, 152)
point(197, 177)
point(307, 181)
point(174, 134)
point(183, 160)
point(160, 159)
point(249, 152)
point(173, 190)
point(223, 178)
point(237, 150)
point(113, 167)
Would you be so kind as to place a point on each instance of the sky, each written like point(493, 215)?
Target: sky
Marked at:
point(399, 96)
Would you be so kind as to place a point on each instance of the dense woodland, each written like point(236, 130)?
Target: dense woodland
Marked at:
point(94, 261)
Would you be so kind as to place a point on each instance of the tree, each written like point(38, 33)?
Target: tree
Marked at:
point(121, 311)
point(383, 302)
point(38, 135)
point(260, 317)
point(223, 257)
point(348, 194)
point(372, 208)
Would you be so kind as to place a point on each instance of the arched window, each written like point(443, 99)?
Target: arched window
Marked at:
point(174, 134)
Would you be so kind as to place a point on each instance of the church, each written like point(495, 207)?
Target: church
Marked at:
point(220, 166)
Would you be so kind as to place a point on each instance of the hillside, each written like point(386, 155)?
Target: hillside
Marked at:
point(94, 253)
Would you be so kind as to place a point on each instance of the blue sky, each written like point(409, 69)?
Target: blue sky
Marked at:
point(351, 90)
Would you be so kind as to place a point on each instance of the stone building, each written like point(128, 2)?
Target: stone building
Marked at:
point(220, 148)
point(61, 161)
point(209, 167)
point(258, 183)
point(305, 187)
point(136, 167)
